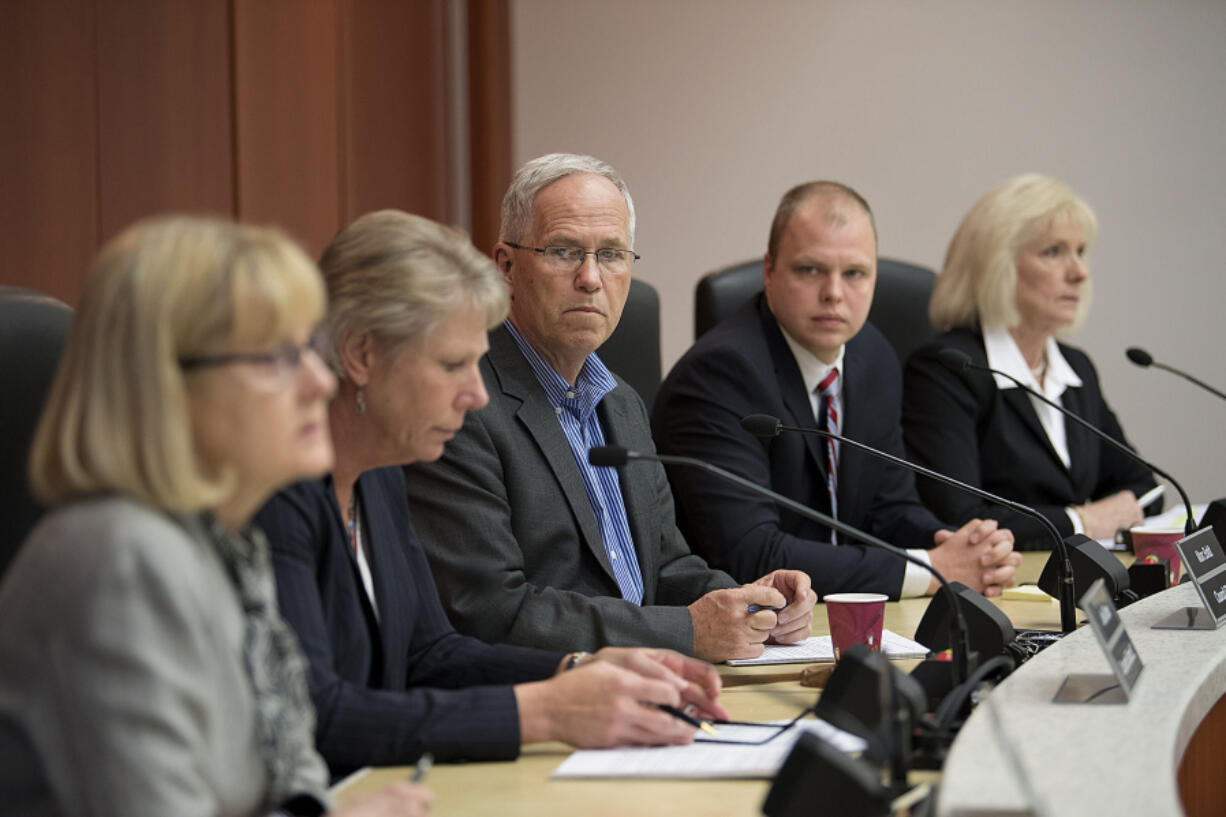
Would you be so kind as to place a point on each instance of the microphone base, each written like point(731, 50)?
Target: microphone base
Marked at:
point(815, 772)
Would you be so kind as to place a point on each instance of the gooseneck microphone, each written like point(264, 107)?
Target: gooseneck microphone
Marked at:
point(958, 361)
point(614, 456)
point(764, 425)
point(1144, 359)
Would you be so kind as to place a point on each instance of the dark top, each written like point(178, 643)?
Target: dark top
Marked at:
point(962, 425)
point(744, 366)
point(387, 690)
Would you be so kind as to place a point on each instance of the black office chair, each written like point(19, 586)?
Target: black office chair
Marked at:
point(900, 304)
point(33, 328)
point(633, 350)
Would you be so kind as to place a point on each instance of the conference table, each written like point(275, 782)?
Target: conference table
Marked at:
point(980, 775)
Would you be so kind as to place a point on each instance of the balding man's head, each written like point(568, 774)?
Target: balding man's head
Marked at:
point(839, 199)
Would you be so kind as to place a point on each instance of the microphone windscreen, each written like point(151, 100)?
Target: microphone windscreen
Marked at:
point(761, 425)
point(1139, 356)
point(607, 456)
point(954, 359)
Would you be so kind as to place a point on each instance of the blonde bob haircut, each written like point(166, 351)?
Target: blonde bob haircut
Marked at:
point(398, 276)
point(978, 284)
point(118, 418)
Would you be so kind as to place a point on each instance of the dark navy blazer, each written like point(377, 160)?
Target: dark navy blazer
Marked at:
point(387, 690)
point(744, 366)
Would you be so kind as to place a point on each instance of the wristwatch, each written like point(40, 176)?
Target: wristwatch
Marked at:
point(575, 659)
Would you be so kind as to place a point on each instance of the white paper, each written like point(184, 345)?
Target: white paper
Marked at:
point(818, 648)
point(702, 759)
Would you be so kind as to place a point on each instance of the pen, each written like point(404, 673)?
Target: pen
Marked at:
point(423, 765)
point(690, 719)
point(1150, 495)
point(756, 608)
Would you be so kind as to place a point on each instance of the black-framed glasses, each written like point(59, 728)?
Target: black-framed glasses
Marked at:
point(281, 364)
point(751, 733)
point(568, 259)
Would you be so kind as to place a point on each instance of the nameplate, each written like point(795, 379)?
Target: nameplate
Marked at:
point(1118, 648)
point(1205, 560)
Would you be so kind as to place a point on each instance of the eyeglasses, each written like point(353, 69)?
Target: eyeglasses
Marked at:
point(568, 259)
point(281, 364)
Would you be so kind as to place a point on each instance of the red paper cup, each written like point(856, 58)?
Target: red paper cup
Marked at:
point(855, 618)
point(1158, 543)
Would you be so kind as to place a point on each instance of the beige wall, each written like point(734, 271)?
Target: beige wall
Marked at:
point(712, 108)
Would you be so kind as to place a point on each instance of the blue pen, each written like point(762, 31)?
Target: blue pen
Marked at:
point(757, 608)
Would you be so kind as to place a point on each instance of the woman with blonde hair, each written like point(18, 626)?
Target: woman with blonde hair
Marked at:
point(410, 302)
point(1016, 277)
point(144, 668)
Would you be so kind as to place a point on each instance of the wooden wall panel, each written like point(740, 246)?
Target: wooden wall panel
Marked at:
point(164, 125)
point(303, 113)
point(286, 142)
point(48, 152)
point(394, 124)
point(490, 106)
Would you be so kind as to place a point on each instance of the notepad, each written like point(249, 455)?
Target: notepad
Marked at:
point(701, 760)
point(818, 648)
point(1024, 592)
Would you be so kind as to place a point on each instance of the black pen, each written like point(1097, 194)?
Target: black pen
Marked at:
point(757, 608)
point(690, 719)
point(423, 765)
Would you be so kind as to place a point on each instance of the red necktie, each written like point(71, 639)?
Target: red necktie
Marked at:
point(829, 391)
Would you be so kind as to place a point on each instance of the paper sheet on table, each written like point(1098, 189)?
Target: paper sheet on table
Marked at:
point(819, 648)
point(702, 759)
point(1173, 517)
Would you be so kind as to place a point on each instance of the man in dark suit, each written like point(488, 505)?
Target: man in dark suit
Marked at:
point(531, 545)
point(804, 352)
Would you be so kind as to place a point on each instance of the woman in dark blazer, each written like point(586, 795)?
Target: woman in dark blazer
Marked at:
point(1015, 277)
point(144, 668)
point(410, 304)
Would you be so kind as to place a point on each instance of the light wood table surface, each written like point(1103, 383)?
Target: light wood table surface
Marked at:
point(523, 787)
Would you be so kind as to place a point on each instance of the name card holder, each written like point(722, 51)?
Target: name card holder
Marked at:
point(1118, 649)
point(1205, 560)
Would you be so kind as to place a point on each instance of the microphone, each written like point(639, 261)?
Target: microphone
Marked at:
point(615, 456)
point(1143, 359)
point(958, 361)
point(764, 425)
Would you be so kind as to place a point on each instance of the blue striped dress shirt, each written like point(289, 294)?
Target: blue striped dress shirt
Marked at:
point(575, 407)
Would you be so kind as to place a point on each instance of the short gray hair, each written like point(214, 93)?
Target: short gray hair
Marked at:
point(398, 276)
point(541, 172)
point(978, 284)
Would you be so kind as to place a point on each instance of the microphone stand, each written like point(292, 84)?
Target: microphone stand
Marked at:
point(959, 361)
point(614, 456)
point(1143, 359)
point(763, 425)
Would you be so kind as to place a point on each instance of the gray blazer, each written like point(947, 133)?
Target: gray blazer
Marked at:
point(515, 549)
point(122, 688)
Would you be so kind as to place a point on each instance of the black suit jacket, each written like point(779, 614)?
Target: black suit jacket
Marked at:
point(964, 426)
point(744, 366)
point(387, 690)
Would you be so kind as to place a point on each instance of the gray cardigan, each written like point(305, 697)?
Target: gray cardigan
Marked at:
point(122, 687)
